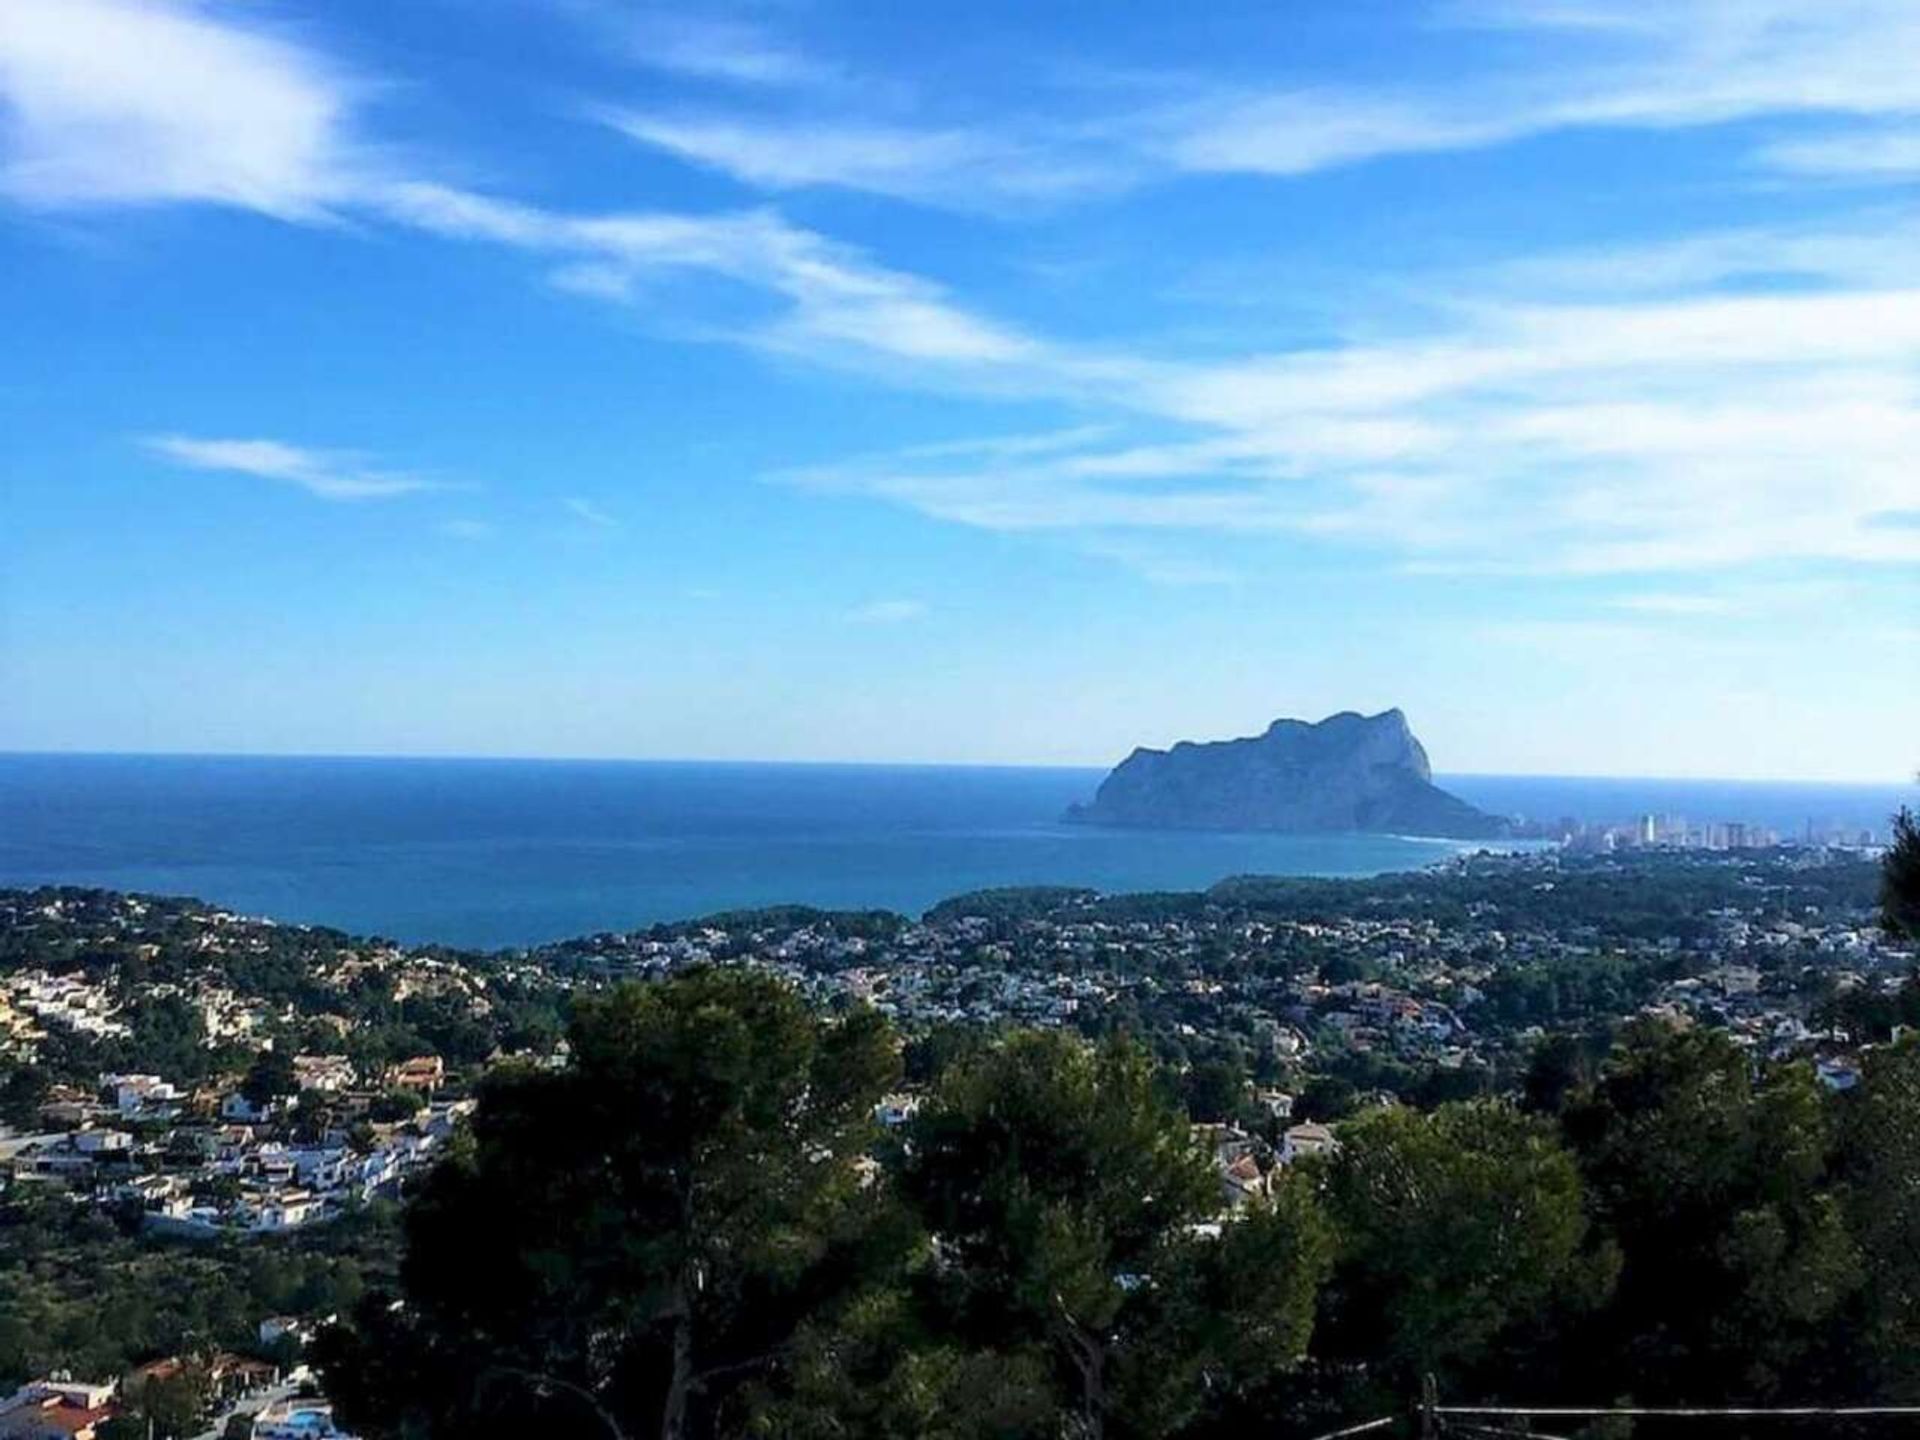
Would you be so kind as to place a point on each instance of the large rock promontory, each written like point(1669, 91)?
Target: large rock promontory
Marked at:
point(1348, 772)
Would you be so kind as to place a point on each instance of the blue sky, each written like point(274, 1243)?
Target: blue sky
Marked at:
point(981, 382)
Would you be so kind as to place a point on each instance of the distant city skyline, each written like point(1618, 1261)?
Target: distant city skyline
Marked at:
point(980, 384)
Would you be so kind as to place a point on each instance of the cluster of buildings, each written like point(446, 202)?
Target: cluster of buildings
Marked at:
point(1676, 832)
point(212, 1161)
point(269, 1405)
point(207, 954)
point(32, 1001)
point(1296, 992)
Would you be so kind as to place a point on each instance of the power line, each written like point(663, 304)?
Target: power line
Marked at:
point(1361, 1429)
point(1683, 1412)
point(1495, 1432)
point(1461, 1417)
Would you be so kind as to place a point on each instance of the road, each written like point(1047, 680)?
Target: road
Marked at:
point(250, 1405)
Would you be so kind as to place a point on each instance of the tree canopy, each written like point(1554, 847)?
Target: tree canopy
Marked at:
point(1900, 877)
point(698, 1229)
point(1069, 1202)
point(639, 1235)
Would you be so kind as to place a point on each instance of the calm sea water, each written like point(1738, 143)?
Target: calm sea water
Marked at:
point(508, 852)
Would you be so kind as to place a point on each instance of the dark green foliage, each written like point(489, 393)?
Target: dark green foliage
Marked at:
point(930, 1054)
point(1573, 992)
point(168, 1407)
point(269, 1078)
point(1880, 1164)
point(1214, 1089)
point(1065, 1193)
point(79, 1293)
point(1457, 1229)
point(882, 1369)
point(1027, 902)
point(1561, 1065)
point(1714, 1178)
point(1867, 1013)
point(1325, 1098)
point(1900, 877)
point(1672, 1223)
point(658, 1221)
point(23, 1088)
point(395, 1105)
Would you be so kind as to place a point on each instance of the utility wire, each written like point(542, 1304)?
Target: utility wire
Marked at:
point(1684, 1412)
point(1497, 1432)
point(1461, 1417)
point(1361, 1429)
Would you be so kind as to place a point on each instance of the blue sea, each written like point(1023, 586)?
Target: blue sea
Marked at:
point(513, 852)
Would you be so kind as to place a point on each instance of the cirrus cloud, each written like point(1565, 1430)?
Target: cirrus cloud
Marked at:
point(327, 474)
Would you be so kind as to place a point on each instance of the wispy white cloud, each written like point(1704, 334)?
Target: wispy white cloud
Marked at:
point(966, 168)
point(1072, 438)
point(1873, 251)
point(1872, 155)
point(726, 50)
point(1609, 64)
point(589, 513)
point(835, 298)
point(136, 101)
point(887, 612)
point(1748, 600)
point(1676, 604)
point(1619, 64)
point(1159, 564)
point(467, 529)
point(786, 157)
point(328, 474)
point(1299, 132)
point(1664, 433)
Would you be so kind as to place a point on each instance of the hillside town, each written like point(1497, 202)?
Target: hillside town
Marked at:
point(203, 1079)
point(284, 1114)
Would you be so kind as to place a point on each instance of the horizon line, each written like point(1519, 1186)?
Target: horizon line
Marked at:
point(829, 763)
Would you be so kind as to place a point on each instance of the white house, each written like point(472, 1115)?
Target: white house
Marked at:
point(1304, 1140)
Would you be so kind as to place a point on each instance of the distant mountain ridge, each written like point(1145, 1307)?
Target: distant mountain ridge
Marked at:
point(1347, 772)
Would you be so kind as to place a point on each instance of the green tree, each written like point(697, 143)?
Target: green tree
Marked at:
point(1712, 1176)
point(23, 1089)
point(1215, 1090)
point(1326, 1097)
point(1456, 1227)
point(394, 1105)
point(883, 1369)
point(1881, 1148)
point(1560, 1066)
point(653, 1224)
point(1900, 877)
point(1067, 1200)
point(270, 1077)
point(170, 1406)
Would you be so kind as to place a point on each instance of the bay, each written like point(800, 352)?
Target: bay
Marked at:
point(513, 852)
